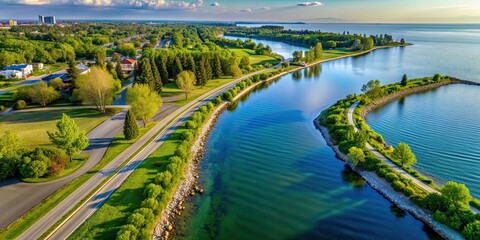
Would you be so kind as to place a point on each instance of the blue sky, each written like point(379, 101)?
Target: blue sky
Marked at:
point(376, 11)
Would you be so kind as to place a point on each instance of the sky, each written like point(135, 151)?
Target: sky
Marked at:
point(351, 11)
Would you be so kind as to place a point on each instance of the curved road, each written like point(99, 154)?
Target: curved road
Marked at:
point(73, 221)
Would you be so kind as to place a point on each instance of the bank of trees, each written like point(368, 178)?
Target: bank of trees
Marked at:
point(16, 160)
point(97, 88)
point(144, 102)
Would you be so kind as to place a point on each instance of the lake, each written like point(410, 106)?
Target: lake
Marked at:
point(268, 174)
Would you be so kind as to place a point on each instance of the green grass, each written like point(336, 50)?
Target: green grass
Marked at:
point(255, 59)
point(32, 126)
point(105, 223)
point(118, 145)
point(171, 90)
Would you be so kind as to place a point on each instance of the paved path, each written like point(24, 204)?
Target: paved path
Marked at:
point(394, 166)
point(94, 203)
point(19, 197)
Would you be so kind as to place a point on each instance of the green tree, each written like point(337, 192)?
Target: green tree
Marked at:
point(217, 67)
point(201, 74)
point(297, 56)
point(403, 153)
point(402, 41)
point(42, 94)
point(68, 136)
point(100, 56)
point(178, 39)
point(97, 87)
point(33, 169)
point(56, 83)
point(372, 89)
point(360, 138)
point(245, 62)
point(144, 102)
point(146, 73)
point(404, 80)
point(456, 192)
point(157, 80)
point(356, 155)
point(118, 70)
point(472, 230)
point(130, 128)
point(162, 68)
point(367, 43)
point(177, 66)
point(190, 63)
point(9, 144)
point(437, 77)
point(318, 50)
point(185, 81)
point(72, 72)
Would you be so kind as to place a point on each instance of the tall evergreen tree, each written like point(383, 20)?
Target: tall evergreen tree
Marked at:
point(162, 68)
point(318, 51)
point(130, 128)
point(201, 74)
point(190, 63)
point(100, 56)
point(217, 67)
point(147, 74)
point(72, 72)
point(111, 70)
point(157, 80)
point(177, 66)
point(118, 69)
point(404, 80)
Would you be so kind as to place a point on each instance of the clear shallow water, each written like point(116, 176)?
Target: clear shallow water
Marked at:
point(283, 49)
point(268, 173)
point(442, 128)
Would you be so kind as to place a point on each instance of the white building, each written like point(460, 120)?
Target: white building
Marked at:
point(25, 69)
point(9, 74)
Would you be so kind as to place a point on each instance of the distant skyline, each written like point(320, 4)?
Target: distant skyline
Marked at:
point(354, 11)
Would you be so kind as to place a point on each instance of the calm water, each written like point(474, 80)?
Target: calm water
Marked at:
point(442, 128)
point(268, 173)
point(283, 49)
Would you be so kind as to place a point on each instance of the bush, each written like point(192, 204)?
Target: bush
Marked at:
point(371, 163)
point(188, 136)
point(398, 185)
point(33, 169)
point(191, 124)
point(164, 179)
point(434, 202)
point(218, 100)
point(472, 230)
point(391, 177)
point(408, 191)
point(20, 105)
point(152, 190)
point(2, 108)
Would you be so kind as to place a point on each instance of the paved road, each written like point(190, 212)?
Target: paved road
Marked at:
point(95, 202)
point(17, 197)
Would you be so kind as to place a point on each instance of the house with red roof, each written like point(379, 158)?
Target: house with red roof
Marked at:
point(128, 64)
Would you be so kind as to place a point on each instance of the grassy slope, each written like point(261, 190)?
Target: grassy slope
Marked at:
point(32, 126)
point(118, 145)
point(105, 223)
point(254, 58)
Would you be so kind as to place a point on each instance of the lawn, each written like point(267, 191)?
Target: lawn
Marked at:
point(32, 126)
point(105, 223)
point(171, 89)
point(254, 58)
point(118, 145)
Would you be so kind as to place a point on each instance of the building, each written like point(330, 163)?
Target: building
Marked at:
point(25, 69)
point(47, 20)
point(128, 64)
point(38, 65)
point(12, 23)
point(9, 74)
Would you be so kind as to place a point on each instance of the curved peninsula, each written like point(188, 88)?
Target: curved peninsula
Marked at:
point(387, 169)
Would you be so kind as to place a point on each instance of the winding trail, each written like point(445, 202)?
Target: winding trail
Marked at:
point(394, 166)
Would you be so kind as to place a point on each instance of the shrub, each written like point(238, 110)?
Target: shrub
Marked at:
point(398, 185)
point(164, 179)
point(371, 163)
point(472, 230)
point(228, 96)
point(204, 109)
point(434, 202)
point(218, 100)
point(188, 136)
point(391, 177)
point(33, 169)
point(127, 232)
point(20, 105)
point(152, 190)
point(191, 124)
point(210, 106)
point(408, 191)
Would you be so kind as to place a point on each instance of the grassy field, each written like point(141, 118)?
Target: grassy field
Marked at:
point(32, 126)
point(254, 58)
point(105, 223)
point(118, 145)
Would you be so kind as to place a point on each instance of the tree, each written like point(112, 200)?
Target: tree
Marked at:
point(42, 94)
point(402, 41)
point(244, 62)
point(97, 87)
point(100, 56)
point(372, 89)
point(472, 230)
point(201, 74)
point(178, 67)
point(72, 72)
point(68, 136)
point(437, 77)
point(360, 138)
point(403, 153)
point(297, 56)
point(178, 39)
point(217, 67)
point(130, 128)
point(56, 83)
point(318, 50)
point(367, 43)
point(157, 80)
point(118, 69)
point(309, 55)
point(145, 73)
point(404, 80)
point(34, 169)
point(9, 144)
point(456, 192)
point(162, 67)
point(185, 81)
point(356, 155)
point(144, 102)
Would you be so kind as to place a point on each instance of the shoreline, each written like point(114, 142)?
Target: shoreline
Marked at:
point(165, 225)
point(386, 190)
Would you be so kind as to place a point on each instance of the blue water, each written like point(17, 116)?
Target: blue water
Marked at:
point(268, 173)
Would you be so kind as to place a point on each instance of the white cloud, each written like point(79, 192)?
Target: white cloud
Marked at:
point(310, 4)
point(247, 10)
point(155, 4)
point(215, 4)
point(266, 8)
